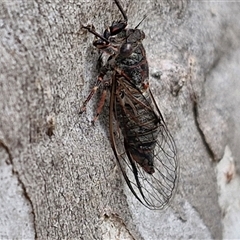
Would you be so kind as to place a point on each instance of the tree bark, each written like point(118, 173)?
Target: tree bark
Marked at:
point(59, 176)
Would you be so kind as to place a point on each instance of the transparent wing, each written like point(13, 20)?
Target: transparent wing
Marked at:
point(152, 190)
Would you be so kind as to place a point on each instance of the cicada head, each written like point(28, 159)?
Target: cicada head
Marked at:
point(112, 38)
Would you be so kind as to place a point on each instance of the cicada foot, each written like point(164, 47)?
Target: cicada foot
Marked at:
point(91, 29)
point(82, 109)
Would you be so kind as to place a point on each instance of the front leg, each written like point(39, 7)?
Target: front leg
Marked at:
point(101, 102)
point(100, 81)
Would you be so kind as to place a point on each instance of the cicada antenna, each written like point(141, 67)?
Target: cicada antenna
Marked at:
point(144, 17)
point(121, 10)
point(95, 33)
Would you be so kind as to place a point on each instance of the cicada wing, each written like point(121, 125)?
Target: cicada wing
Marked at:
point(152, 190)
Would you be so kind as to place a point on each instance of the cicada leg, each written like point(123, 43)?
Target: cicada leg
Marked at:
point(91, 29)
point(90, 95)
point(100, 104)
point(94, 89)
point(100, 81)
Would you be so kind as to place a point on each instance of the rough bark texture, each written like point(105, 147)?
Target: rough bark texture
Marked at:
point(59, 179)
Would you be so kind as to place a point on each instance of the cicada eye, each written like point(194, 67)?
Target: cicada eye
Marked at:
point(106, 34)
point(117, 27)
point(126, 49)
point(99, 43)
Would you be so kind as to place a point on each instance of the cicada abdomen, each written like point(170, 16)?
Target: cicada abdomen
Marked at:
point(144, 149)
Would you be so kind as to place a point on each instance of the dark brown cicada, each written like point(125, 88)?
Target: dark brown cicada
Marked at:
point(141, 142)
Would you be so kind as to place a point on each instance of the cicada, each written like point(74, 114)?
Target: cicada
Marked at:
point(143, 147)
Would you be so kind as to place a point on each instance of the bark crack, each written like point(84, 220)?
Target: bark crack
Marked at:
point(14, 172)
point(201, 132)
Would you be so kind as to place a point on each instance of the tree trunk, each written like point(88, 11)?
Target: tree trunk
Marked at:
point(59, 177)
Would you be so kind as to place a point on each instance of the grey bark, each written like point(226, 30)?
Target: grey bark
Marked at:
point(60, 169)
